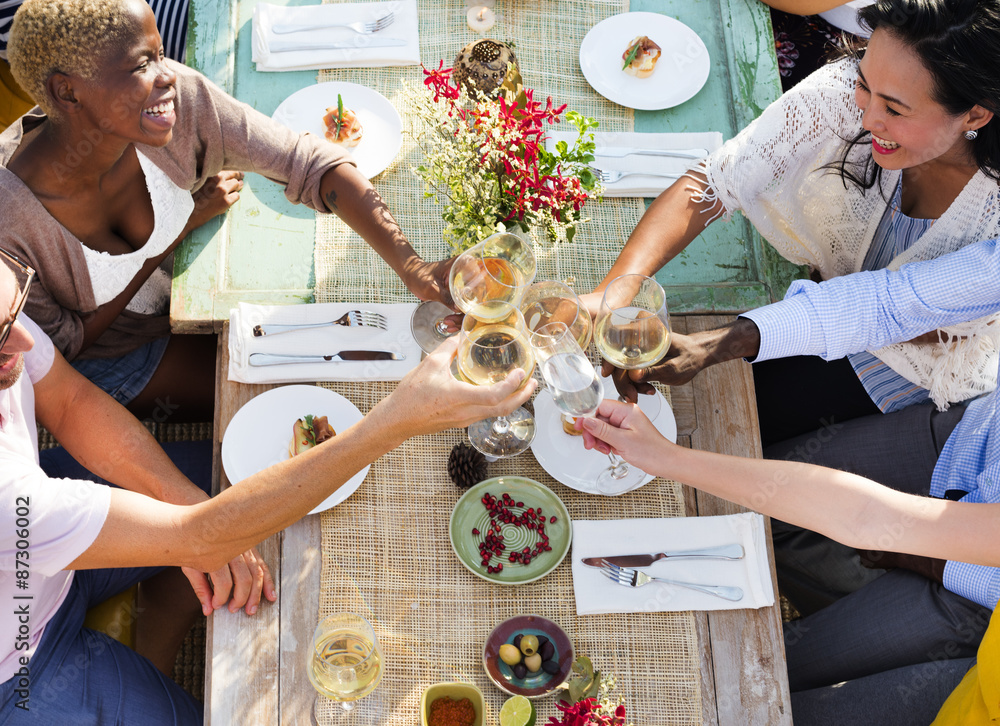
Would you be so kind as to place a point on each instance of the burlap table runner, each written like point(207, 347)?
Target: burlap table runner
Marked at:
point(386, 551)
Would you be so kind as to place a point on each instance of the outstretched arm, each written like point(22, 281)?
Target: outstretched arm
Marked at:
point(349, 195)
point(142, 531)
point(846, 507)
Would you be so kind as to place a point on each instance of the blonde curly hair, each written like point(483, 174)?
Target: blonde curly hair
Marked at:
point(64, 36)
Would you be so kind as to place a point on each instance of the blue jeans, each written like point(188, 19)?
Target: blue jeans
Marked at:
point(80, 677)
point(124, 377)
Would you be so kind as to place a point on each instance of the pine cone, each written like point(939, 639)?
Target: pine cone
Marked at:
point(466, 466)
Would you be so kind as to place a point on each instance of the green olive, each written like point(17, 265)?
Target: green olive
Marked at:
point(529, 645)
point(509, 654)
point(533, 662)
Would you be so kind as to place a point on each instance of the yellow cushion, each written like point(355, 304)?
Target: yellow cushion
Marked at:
point(976, 700)
point(14, 102)
point(116, 616)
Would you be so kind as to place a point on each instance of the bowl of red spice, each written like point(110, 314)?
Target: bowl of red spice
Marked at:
point(452, 704)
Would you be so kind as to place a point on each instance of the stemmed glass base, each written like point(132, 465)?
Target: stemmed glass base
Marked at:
point(428, 325)
point(620, 476)
point(503, 436)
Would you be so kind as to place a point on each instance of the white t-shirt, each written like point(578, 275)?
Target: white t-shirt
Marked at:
point(45, 523)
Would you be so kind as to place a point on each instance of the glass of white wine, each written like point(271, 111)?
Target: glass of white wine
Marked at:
point(632, 331)
point(488, 352)
point(346, 661)
point(494, 273)
point(569, 375)
point(550, 301)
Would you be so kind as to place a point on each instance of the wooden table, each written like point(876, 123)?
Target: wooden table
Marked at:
point(255, 672)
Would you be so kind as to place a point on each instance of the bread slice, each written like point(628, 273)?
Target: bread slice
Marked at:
point(640, 58)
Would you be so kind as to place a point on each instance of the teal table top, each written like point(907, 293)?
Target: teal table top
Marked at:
point(728, 268)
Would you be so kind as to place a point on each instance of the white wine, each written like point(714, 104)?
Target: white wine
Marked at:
point(479, 284)
point(559, 310)
point(632, 338)
point(575, 386)
point(489, 352)
point(345, 666)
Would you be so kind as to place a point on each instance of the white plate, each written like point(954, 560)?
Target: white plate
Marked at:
point(564, 457)
point(679, 74)
point(259, 434)
point(383, 136)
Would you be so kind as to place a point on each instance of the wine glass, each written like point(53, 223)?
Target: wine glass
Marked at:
point(346, 661)
point(550, 301)
point(498, 268)
point(632, 331)
point(485, 279)
point(487, 353)
point(569, 375)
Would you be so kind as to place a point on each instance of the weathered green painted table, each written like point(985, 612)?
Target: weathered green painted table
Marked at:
point(728, 269)
point(255, 671)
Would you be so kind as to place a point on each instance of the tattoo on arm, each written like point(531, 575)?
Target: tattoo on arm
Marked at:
point(331, 200)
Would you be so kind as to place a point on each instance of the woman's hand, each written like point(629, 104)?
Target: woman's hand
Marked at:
point(429, 280)
point(623, 429)
point(219, 193)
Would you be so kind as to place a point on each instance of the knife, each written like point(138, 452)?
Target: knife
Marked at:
point(725, 552)
point(283, 46)
point(616, 152)
point(273, 359)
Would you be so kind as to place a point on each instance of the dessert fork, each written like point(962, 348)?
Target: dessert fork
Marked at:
point(350, 319)
point(609, 176)
point(635, 578)
point(358, 27)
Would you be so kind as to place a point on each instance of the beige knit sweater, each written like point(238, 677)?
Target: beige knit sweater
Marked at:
point(213, 132)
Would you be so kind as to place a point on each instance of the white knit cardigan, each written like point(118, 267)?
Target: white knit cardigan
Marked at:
point(772, 172)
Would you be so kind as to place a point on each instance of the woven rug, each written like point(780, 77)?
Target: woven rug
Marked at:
point(386, 549)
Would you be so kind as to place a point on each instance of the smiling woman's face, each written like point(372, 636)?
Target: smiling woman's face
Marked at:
point(133, 96)
point(907, 125)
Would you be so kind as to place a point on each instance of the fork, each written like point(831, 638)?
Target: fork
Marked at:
point(610, 176)
point(364, 28)
point(634, 578)
point(350, 319)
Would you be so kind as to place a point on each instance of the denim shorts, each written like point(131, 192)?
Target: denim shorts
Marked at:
point(125, 377)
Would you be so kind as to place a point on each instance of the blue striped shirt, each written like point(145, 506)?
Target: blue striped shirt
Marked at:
point(829, 320)
point(895, 234)
point(171, 21)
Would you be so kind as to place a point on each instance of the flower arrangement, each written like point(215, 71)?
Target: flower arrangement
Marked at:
point(593, 704)
point(486, 161)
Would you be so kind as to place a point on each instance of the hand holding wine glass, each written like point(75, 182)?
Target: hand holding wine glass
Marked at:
point(549, 301)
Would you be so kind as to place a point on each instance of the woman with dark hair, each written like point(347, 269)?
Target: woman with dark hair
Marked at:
point(881, 158)
point(102, 182)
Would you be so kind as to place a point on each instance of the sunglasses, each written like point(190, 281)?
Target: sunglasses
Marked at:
point(25, 275)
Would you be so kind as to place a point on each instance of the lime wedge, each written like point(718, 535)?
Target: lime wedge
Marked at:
point(517, 711)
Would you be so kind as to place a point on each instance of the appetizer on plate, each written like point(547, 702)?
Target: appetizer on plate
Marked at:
point(309, 431)
point(342, 125)
point(640, 57)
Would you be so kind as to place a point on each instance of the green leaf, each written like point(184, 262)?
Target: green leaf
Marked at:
point(561, 147)
point(340, 114)
point(631, 55)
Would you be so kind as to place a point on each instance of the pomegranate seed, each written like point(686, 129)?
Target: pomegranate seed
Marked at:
point(552, 520)
point(475, 531)
point(520, 504)
point(499, 567)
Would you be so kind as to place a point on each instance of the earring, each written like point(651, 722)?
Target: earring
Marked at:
point(971, 134)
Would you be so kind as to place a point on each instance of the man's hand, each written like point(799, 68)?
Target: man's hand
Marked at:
point(431, 399)
point(623, 429)
point(689, 355)
point(429, 280)
point(246, 577)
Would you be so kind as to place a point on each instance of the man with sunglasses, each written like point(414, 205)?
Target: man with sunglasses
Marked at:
point(66, 544)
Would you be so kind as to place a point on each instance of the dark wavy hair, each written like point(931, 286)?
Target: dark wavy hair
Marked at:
point(958, 41)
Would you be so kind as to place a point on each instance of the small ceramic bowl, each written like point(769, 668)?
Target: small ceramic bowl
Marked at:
point(456, 691)
point(534, 685)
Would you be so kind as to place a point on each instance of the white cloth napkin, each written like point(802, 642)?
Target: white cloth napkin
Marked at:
point(271, 50)
point(639, 185)
point(320, 341)
point(595, 593)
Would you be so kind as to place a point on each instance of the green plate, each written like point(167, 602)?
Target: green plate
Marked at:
point(469, 513)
